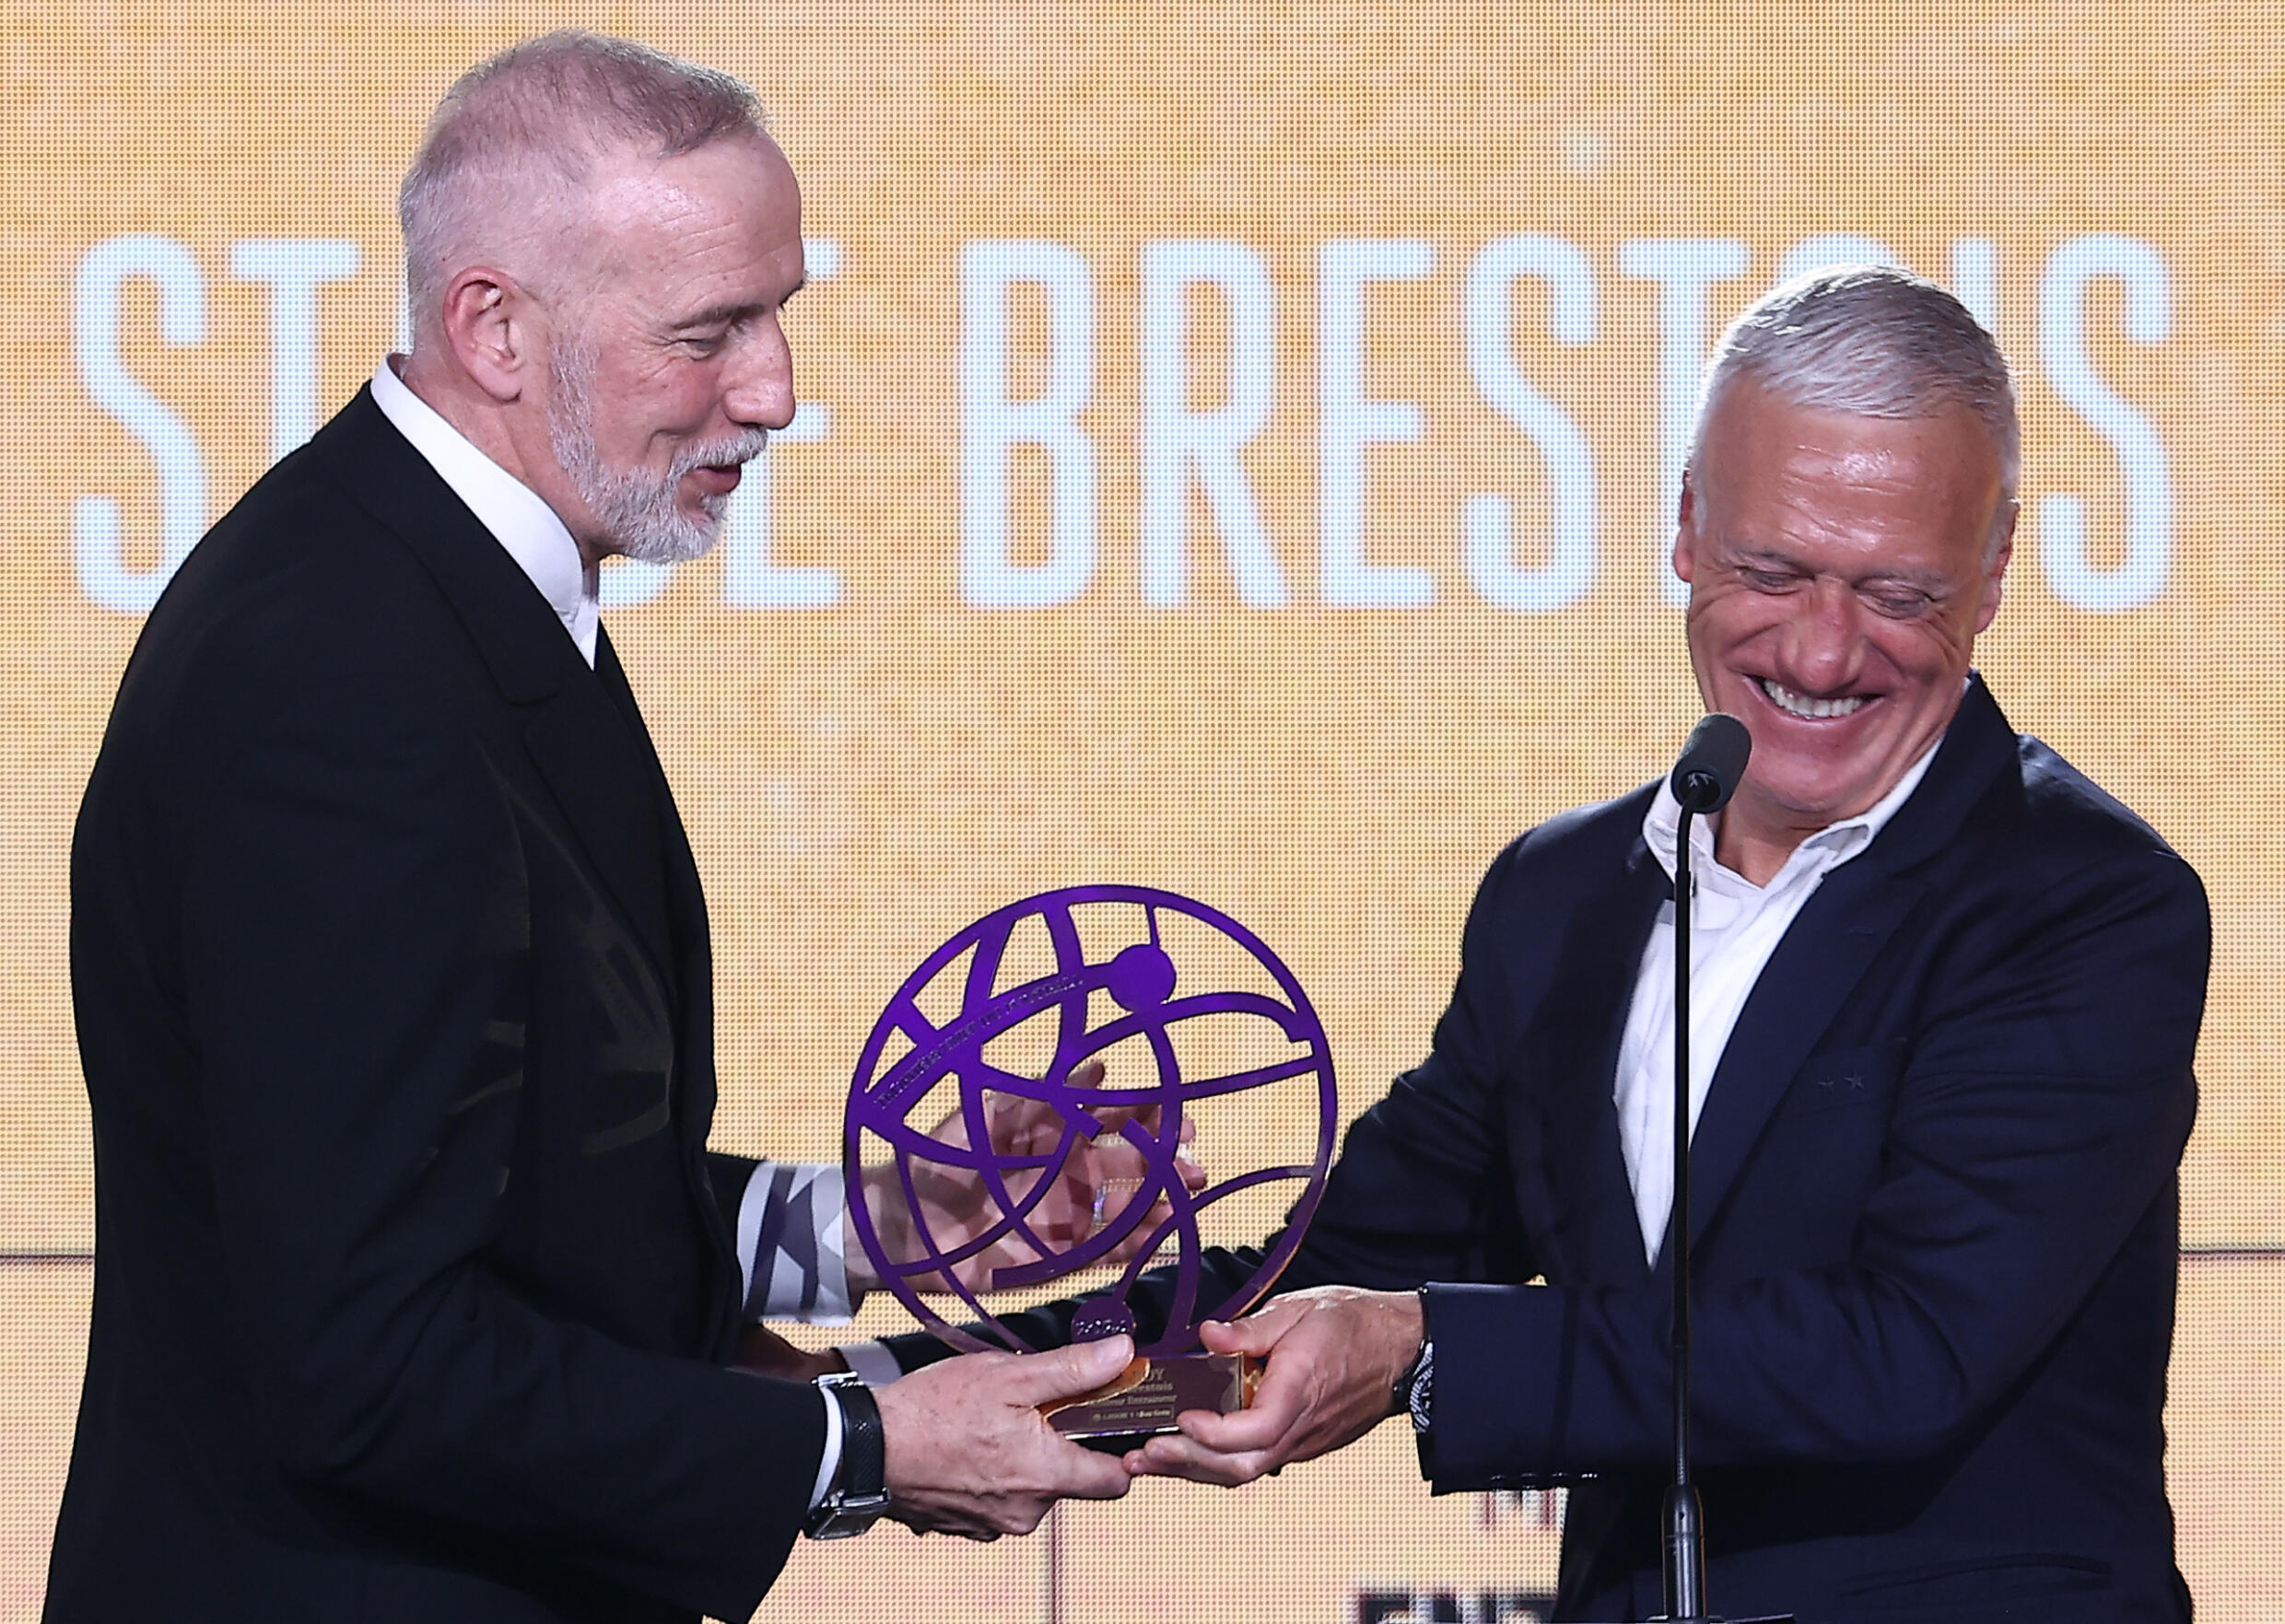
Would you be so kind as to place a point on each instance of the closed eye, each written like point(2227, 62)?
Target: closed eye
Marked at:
point(1767, 580)
point(1900, 605)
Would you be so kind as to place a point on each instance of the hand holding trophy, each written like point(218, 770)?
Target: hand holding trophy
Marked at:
point(1034, 1085)
point(1072, 1186)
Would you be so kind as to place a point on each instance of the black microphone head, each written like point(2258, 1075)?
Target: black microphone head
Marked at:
point(1712, 762)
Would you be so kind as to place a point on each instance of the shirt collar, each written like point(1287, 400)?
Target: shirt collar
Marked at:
point(523, 524)
point(1829, 847)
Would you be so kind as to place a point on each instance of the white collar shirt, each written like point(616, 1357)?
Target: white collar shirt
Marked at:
point(523, 524)
point(1733, 931)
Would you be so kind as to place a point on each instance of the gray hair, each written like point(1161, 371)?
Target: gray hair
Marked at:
point(1875, 342)
point(514, 142)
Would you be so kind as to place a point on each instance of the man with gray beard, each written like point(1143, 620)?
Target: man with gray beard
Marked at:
point(417, 1287)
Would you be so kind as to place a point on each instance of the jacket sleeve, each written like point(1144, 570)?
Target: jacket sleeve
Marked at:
point(355, 943)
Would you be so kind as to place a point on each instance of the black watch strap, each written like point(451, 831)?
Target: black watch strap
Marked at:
point(859, 1493)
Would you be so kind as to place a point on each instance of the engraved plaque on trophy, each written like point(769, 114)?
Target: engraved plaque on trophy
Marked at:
point(1214, 1096)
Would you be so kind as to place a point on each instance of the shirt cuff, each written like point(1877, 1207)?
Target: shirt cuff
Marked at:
point(875, 1364)
point(830, 1461)
point(793, 1224)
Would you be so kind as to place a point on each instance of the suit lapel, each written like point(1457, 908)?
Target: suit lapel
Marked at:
point(694, 1074)
point(1585, 1019)
point(585, 750)
point(1825, 954)
point(685, 900)
point(685, 896)
point(595, 770)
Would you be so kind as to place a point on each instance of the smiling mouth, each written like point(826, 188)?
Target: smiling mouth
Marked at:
point(1808, 709)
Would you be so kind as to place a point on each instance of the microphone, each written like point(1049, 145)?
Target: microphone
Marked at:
point(1712, 762)
point(1704, 780)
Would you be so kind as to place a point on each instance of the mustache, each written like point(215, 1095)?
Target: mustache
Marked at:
point(720, 453)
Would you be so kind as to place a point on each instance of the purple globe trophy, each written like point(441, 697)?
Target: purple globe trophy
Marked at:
point(1183, 1009)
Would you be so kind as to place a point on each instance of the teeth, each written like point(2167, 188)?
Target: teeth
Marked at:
point(1800, 704)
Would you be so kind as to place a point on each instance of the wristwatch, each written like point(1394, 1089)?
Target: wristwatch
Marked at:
point(1415, 1389)
point(859, 1493)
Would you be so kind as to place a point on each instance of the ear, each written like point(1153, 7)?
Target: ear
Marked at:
point(1995, 572)
point(1685, 528)
point(491, 326)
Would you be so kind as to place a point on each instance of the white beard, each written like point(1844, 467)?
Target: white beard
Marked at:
point(638, 511)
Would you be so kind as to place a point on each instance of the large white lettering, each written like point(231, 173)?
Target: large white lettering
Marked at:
point(1030, 528)
point(293, 268)
point(1348, 421)
point(1683, 268)
point(98, 553)
point(993, 424)
point(1570, 567)
point(1177, 442)
point(2149, 549)
point(751, 578)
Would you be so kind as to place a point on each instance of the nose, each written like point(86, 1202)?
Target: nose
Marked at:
point(1824, 647)
point(757, 387)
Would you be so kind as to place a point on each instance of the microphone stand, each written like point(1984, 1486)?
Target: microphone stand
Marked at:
point(1712, 766)
point(1684, 1515)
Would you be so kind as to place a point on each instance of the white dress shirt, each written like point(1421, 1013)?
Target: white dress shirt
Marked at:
point(535, 537)
point(1733, 930)
point(503, 503)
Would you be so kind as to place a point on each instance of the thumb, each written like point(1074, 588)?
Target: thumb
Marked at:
point(1257, 1334)
point(1067, 1373)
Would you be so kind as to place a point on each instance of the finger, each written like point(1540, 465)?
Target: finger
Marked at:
point(1172, 1456)
point(1085, 1475)
point(1257, 1334)
point(1066, 1372)
point(1253, 1428)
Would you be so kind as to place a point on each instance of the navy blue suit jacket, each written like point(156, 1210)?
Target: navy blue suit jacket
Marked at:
point(1933, 1211)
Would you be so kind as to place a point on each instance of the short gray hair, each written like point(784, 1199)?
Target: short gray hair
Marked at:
point(1875, 342)
point(527, 126)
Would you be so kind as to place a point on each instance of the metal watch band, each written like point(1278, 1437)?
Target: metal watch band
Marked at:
point(860, 1490)
point(1420, 1398)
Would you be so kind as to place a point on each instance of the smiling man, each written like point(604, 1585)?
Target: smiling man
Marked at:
point(1840, 565)
point(1946, 997)
point(417, 1288)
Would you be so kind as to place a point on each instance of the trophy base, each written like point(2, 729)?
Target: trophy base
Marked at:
point(1142, 1403)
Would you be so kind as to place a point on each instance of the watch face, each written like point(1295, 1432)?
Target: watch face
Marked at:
point(1422, 1394)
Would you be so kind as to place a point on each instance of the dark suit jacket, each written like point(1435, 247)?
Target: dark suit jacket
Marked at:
point(393, 995)
point(1933, 1195)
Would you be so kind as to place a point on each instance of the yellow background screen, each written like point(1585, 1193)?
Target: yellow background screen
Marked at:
point(1236, 456)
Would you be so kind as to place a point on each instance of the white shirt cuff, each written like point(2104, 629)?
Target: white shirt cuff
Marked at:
point(830, 1461)
point(804, 1276)
point(875, 1364)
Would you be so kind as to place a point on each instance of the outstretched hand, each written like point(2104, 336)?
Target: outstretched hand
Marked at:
point(1091, 1187)
point(1335, 1356)
point(969, 1453)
